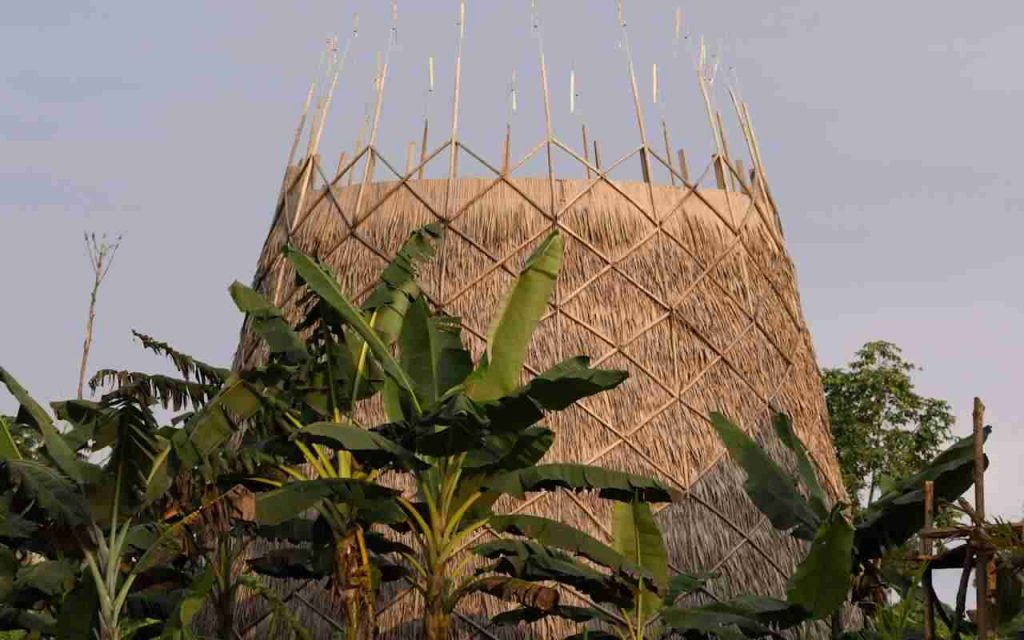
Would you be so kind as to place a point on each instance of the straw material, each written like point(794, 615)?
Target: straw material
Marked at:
point(702, 310)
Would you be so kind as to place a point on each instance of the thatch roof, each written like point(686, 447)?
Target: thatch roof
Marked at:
point(690, 291)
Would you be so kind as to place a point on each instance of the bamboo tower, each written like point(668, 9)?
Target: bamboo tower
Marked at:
point(685, 283)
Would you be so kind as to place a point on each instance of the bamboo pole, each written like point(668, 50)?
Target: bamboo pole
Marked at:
point(423, 148)
point(926, 552)
point(426, 119)
point(342, 161)
point(453, 157)
point(668, 153)
point(453, 151)
point(984, 557)
point(684, 170)
point(586, 150)
point(597, 155)
point(381, 80)
point(506, 156)
point(410, 158)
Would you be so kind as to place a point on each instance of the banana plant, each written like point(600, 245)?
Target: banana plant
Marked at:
point(80, 501)
point(842, 562)
point(463, 434)
point(632, 592)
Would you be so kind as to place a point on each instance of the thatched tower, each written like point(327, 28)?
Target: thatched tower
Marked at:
point(686, 284)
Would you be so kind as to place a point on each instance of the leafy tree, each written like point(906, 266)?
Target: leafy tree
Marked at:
point(881, 427)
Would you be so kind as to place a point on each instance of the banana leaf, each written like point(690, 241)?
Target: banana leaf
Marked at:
point(557, 388)
point(32, 413)
point(60, 498)
point(635, 535)
point(367, 446)
point(788, 437)
point(511, 330)
point(268, 322)
point(770, 488)
point(293, 498)
point(553, 533)
point(324, 285)
point(822, 579)
point(898, 514)
point(610, 484)
point(532, 561)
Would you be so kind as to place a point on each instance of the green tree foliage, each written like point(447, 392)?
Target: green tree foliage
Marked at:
point(881, 427)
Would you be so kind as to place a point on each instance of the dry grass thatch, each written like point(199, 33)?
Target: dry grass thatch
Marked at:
point(691, 291)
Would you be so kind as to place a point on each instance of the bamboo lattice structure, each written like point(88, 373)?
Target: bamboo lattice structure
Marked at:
point(686, 286)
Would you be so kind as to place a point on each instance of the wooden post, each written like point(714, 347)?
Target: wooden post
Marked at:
point(984, 557)
point(683, 169)
point(926, 553)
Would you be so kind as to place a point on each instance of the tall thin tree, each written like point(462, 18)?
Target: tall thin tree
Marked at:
point(101, 257)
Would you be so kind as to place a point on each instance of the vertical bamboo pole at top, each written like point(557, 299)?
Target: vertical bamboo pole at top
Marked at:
point(426, 119)
point(668, 153)
point(597, 155)
point(342, 159)
point(423, 148)
point(410, 158)
point(586, 150)
point(645, 163)
point(506, 153)
point(726, 160)
point(926, 552)
point(548, 143)
point(684, 170)
point(982, 567)
point(453, 157)
point(453, 151)
point(372, 144)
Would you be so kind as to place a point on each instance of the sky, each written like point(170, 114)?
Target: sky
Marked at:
point(888, 131)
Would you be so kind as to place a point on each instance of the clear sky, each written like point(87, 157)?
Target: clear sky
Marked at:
point(890, 132)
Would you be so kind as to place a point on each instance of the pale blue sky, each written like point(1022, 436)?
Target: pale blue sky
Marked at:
point(889, 130)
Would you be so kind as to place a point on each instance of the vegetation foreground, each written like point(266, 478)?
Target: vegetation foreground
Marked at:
point(369, 448)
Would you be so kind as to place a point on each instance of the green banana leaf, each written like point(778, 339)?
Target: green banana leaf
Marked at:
point(368, 446)
point(635, 535)
point(897, 515)
point(610, 484)
point(269, 323)
point(325, 286)
point(822, 579)
point(390, 300)
point(558, 535)
point(512, 328)
point(431, 351)
point(788, 437)
point(58, 496)
point(293, 498)
point(771, 489)
point(532, 561)
point(557, 388)
point(566, 612)
point(32, 413)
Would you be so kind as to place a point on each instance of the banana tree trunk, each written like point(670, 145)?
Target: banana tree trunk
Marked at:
point(435, 618)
